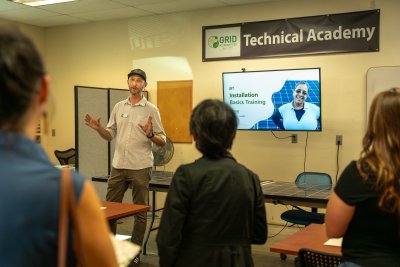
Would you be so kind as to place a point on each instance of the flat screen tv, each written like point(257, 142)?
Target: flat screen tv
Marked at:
point(275, 100)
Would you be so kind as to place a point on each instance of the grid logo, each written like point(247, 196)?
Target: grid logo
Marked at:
point(222, 42)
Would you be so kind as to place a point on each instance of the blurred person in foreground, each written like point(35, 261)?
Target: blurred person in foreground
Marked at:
point(365, 206)
point(215, 208)
point(30, 184)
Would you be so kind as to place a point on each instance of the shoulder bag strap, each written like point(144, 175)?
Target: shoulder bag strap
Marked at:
point(63, 217)
point(80, 256)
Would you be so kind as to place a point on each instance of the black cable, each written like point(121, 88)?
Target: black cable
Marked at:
point(280, 137)
point(279, 202)
point(305, 153)
point(270, 236)
point(337, 162)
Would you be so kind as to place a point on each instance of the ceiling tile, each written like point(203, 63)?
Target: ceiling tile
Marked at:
point(7, 5)
point(142, 2)
point(25, 13)
point(82, 11)
point(245, 2)
point(117, 13)
point(179, 6)
point(82, 6)
point(59, 20)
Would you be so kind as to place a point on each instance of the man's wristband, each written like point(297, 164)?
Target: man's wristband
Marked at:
point(151, 135)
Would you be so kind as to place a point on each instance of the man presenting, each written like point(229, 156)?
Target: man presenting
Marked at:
point(135, 123)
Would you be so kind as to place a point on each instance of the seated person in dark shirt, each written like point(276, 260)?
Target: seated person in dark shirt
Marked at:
point(298, 114)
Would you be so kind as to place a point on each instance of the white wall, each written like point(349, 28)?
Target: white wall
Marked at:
point(169, 48)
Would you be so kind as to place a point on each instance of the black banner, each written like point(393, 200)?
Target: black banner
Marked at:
point(337, 33)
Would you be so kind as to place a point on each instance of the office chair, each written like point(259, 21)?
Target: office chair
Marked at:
point(65, 157)
point(312, 258)
point(300, 216)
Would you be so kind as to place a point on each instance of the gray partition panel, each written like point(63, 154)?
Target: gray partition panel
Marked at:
point(92, 150)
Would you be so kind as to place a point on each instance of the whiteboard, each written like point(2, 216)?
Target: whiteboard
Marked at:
point(381, 79)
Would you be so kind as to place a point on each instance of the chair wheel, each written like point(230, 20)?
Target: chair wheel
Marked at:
point(283, 256)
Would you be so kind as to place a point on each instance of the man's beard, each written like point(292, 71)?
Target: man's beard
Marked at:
point(137, 92)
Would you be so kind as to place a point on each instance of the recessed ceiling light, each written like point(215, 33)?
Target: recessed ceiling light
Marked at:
point(41, 2)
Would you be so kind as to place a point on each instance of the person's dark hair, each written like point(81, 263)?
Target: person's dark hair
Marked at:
point(302, 83)
point(213, 125)
point(21, 68)
point(381, 149)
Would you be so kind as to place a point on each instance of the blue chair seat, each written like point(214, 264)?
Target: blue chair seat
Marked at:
point(302, 217)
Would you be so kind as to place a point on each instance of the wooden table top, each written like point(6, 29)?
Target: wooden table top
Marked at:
point(312, 236)
point(116, 210)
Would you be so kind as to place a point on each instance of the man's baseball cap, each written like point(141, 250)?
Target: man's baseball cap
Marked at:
point(139, 72)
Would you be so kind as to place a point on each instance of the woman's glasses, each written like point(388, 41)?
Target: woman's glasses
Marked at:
point(298, 91)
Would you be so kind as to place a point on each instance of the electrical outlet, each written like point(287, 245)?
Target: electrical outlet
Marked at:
point(339, 140)
point(294, 138)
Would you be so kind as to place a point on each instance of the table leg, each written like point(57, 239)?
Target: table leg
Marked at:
point(113, 226)
point(150, 228)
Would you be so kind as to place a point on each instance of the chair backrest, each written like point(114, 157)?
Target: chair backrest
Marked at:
point(312, 258)
point(65, 157)
point(305, 179)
